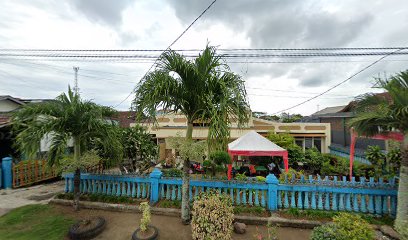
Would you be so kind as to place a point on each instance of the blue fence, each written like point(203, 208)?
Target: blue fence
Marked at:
point(366, 195)
point(345, 154)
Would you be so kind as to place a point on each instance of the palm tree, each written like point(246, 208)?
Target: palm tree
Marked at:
point(377, 113)
point(67, 118)
point(204, 90)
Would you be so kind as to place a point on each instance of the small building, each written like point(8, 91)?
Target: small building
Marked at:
point(8, 105)
point(338, 118)
point(306, 135)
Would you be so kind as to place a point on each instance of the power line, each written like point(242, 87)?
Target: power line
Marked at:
point(189, 26)
point(290, 91)
point(340, 83)
point(281, 96)
point(192, 50)
point(224, 55)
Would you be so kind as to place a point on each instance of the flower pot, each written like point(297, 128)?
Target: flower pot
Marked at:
point(87, 228)
point(151, 234)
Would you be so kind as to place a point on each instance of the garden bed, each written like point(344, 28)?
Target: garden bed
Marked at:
point(101, 198)
point(326, 216)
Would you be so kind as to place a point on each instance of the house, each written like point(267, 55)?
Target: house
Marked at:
point(306, 134)
point(338, 117)
point(8, 105)
point(124, 118)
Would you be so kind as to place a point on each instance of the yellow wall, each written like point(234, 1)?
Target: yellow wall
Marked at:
point(171, 125)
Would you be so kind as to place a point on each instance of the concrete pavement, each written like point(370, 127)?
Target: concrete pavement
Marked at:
point(38, 194)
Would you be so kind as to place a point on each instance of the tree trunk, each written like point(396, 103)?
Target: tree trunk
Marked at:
point(185, 199)
point(401, 221)
point(77, 180)
point(77, 175)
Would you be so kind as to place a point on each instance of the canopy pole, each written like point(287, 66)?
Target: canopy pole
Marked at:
point(229, 174)
point(286, 161)
point(352, 150)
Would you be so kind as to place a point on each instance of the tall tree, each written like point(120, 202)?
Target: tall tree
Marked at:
point(67, 118)
point(138, 148)
point(204, 90)
point(381, 113)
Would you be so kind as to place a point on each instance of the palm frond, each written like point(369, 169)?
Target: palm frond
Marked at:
point(384, 112)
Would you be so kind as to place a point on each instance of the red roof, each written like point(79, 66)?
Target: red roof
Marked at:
point(125, 118)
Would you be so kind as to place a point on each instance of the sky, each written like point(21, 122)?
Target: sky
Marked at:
point(154, 24)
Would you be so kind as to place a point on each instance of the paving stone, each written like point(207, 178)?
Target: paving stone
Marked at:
point(390, 232)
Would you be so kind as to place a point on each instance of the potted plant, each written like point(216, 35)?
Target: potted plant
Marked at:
point(145, 230)
point(87, 228)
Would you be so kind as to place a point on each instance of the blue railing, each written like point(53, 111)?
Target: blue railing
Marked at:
point(366, 196)
point(345, 154)
point(131, 186)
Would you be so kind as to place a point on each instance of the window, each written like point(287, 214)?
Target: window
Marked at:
point(299, 142)
point(317, 142)
point(308, 142)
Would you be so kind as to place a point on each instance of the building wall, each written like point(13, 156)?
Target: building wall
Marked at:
point(341, 134)
point(7, 105)
point(173, 125)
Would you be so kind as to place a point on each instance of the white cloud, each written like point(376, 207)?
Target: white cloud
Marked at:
point(155, 24)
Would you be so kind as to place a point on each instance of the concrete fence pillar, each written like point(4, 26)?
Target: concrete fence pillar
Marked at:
point(154, 180)
point(272, 182)
point(6, 167)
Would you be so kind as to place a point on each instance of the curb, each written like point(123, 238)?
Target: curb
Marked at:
point(250, 220)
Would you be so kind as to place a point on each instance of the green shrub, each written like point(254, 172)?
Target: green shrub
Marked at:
point(334, 166)
point(220, 157)
point(170, 204)
point(212, 216)
point(394, 158)
point(345, 226)
point(314, 159)
point(172, 172)
point(295, 153)
point(363, 170)
point(257, 210)
point(146, 216)
point(241, 177)
point(260, 179)
point(220, 168)
point(377, 159)
point(94, 197)
point(207, 163)
point(325, 232)
point(291, 172)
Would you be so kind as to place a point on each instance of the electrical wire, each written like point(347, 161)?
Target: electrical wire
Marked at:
point(340, 83)
point(198, 50)
point(189, 26)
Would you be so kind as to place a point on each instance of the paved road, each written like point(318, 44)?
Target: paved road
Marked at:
point(39, 194)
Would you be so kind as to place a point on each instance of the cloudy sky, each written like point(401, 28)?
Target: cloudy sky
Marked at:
point(154, 24)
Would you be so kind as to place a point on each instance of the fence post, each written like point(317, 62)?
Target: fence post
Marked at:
point(272, 182)
point(7, 166)
point(154, 180)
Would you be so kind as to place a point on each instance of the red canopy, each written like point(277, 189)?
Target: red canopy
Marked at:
point(253, 144)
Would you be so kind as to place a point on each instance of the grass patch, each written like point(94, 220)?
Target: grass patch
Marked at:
point(100, 198)
point(169, 204)
point(34, 222)
point(255, 210)
point(311, 214)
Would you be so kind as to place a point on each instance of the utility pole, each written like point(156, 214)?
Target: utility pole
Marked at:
point(76, 89)
point(318, 107)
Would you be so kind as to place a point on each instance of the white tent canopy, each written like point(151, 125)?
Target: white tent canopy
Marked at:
point(253, 141)
point(253, 144)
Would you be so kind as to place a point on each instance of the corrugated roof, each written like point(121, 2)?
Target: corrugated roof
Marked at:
point(327, 110)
